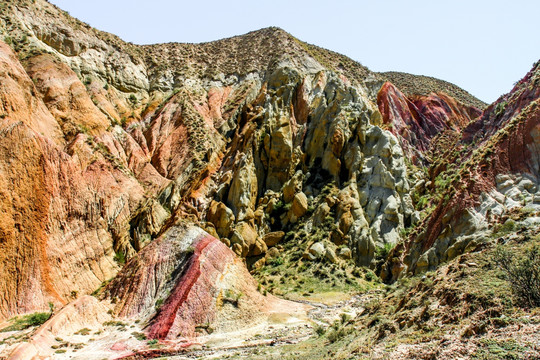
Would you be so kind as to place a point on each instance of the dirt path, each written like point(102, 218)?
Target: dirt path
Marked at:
point(269, 338)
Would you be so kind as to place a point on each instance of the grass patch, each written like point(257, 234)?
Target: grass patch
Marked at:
point(491, 349)
point(23, 322)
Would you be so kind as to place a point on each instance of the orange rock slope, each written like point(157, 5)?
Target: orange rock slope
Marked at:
point(418, 119)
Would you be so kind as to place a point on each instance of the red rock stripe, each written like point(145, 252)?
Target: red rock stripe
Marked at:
point(164, 320)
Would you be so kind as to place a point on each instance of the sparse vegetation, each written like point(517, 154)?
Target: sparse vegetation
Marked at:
point(120, 258)
point(85, 331)
point(232, 297)
point(139, 335)
point(26, 321)
point(523, 274)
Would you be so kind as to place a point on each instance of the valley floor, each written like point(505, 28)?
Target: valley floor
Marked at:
point(465, 309)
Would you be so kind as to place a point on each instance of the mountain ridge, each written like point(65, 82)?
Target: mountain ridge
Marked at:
point(290, 45)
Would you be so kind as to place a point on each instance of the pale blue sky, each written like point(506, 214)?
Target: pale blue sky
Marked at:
point(482, 46)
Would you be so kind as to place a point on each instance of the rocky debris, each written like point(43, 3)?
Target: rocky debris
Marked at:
point(292, 187)
point(345, 253)
point(246, 236)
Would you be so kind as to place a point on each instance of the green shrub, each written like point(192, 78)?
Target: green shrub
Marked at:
point(369, 276)
point(120, 258)
point(139, 335)
point(85, 331)
point(508, 226)
point(522, 274)
point(338, 333)
point(319, 329)
point(382, 253)
point(422, 202)
point(276, 262)
point(26, 321)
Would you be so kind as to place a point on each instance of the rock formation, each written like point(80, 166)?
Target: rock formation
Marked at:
point(155, 177)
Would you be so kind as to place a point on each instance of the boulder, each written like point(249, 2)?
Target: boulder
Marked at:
point(222, 217)
point(320, 214)
point(299, 205)
point(258, 248)
point(317, 249)
point(252, 243)
point(292, 186)
point(272, 253)
point(209, 228)
point(345, 253)
point(345, 222)
point(273, 238)
point(226, 241)
point(331, 256)
point(337, 237)
point(237, 249)
point(239, 244)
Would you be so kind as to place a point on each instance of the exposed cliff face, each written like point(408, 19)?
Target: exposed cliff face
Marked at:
point(418, 119)
point(498, 176)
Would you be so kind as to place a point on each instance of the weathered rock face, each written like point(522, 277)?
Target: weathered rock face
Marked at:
point(295, 145)
point(416, 120)
point(62, 91)
point(498, 177)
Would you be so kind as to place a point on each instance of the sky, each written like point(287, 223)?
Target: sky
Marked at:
point(481, 46)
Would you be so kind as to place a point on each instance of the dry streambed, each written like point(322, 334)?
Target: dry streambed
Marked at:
point(281, 329)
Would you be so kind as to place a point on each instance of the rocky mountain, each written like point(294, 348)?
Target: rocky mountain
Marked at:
point(163, 196)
